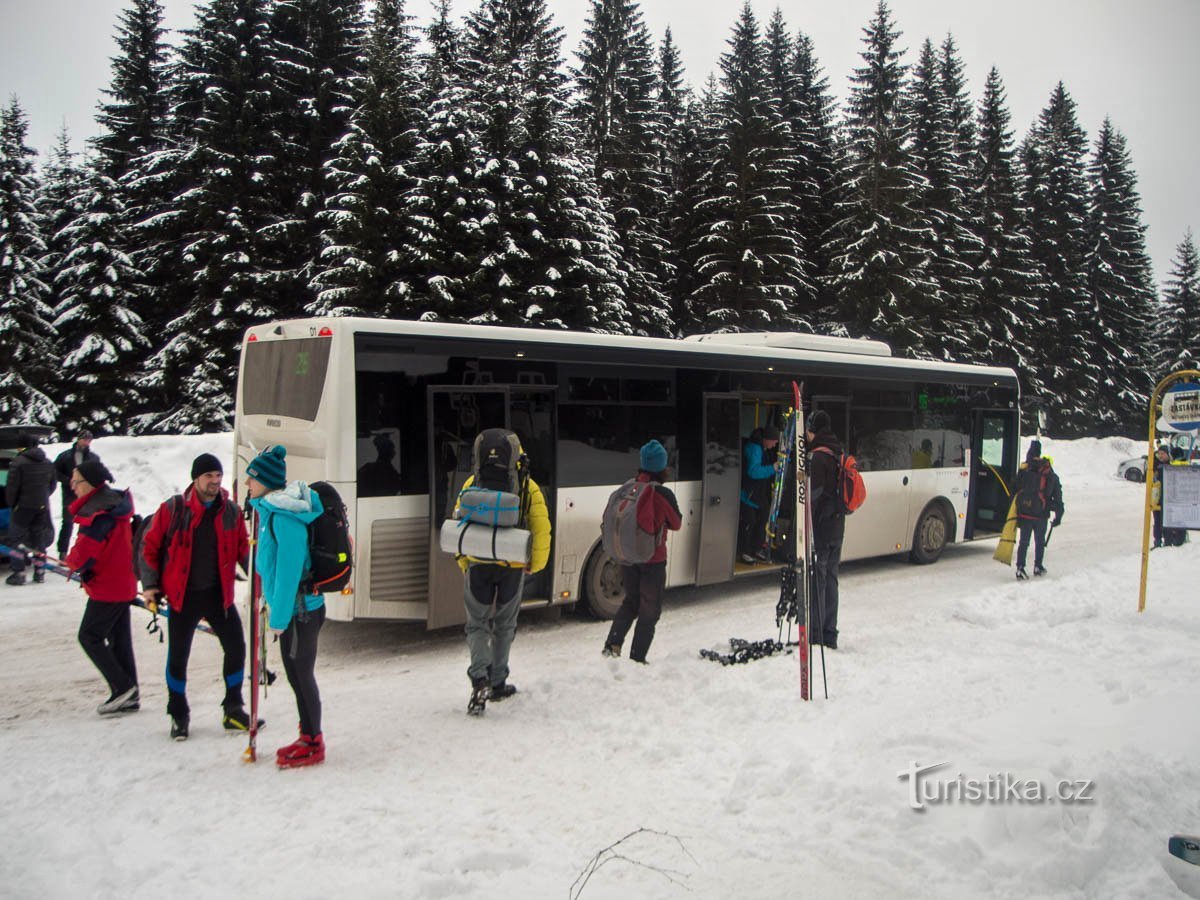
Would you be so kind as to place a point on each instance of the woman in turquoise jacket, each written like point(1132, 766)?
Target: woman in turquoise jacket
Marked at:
point(284, 512)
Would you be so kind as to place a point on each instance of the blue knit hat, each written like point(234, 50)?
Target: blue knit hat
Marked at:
point(269, 468)
point(653, 457)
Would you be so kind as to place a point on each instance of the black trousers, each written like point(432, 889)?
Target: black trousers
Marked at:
point(298, 645)
point(31, 528)
point(644, 586)
point(181, 630)
point(827, 556)
point(67, 523)
point(1037, 529)
point(105, 635)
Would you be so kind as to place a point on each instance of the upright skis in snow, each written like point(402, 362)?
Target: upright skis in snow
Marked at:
point(257, 642)
point(802, 560)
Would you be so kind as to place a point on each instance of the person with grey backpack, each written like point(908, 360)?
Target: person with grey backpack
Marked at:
point(634, 533)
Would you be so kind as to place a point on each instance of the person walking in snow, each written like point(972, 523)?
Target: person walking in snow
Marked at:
point(645, 582)
point(102, 558)
point(189, 553)
point(486, 582)
point(828, 525)
point(758, 474)
point(282, 563)
point(64, 464)
point(30, 484)
point(1038, 495)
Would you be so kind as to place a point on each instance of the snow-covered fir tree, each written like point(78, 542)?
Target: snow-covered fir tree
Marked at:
point(319, 43)
point(1053, 158)
point(880, 264)
point(1009, 281)
point(369, 264)
point(134, 116)
point(617, 113)
point(59, 190)
point(101, 336)
point(26, 336)
point(1120, 281)
point(1177, 335)
point(819, 156)
point(673, 97)
point(748, 265)
point(949, 231)
point(226, 156)
point(551, 254)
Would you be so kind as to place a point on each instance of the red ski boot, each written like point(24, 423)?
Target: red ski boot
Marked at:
point(308, 751)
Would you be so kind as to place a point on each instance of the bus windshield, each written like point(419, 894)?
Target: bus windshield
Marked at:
point(285, 378)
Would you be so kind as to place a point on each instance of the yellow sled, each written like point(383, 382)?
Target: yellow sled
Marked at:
point(1008, 537)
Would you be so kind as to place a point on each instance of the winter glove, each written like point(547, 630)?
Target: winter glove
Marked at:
point(1057, 520)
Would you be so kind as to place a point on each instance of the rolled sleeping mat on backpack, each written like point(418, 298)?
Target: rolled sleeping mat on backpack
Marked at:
point(486, 543)
point(489, 507)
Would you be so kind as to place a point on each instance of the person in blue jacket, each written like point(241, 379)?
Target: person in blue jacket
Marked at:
point(758, 476)
point(284, 512)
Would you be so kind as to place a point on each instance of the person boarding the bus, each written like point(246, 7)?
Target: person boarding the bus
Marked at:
point(27, 492)
point(645, 582)
point(828, 525)
point(282, 562)
point(758, 475)
point(189, 553)
point(487, 583)
point(64, 464)
point(102, 558)
point(1039, 493)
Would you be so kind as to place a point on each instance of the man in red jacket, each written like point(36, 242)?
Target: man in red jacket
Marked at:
point(102, 557)
point(645, 582)
point(189, 553)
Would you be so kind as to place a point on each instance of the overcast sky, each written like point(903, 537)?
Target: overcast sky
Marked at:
point(1132, 60)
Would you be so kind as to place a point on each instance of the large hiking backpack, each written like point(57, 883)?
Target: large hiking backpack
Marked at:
point(623, 538)
point(490, 515)
point(1032, 502)
point(329, 544)
point(851, 488)
point(496, 461)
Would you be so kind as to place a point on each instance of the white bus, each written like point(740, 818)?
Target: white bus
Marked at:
point(387, 411)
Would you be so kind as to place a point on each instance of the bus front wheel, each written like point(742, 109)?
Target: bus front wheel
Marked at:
point(929, 538)
point(603, 589)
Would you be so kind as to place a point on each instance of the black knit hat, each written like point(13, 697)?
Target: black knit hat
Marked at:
point(818, 422)
point(94, 472)
point(205, 463)
point(1035, 450)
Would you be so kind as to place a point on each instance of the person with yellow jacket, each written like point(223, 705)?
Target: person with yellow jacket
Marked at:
point(490, 632)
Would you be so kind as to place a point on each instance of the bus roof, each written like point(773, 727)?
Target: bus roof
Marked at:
point(758, 351)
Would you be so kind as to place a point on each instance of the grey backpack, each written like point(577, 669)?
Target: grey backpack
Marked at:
point(623, 538)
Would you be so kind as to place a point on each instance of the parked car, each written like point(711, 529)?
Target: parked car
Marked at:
point(12, 441)
point(1182, 446)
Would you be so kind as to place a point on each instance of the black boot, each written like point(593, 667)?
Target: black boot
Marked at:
point(480, 691)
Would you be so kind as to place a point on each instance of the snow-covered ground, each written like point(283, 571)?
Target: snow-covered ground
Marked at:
point(743, 789)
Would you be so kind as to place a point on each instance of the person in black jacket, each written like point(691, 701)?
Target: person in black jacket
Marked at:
point(828, 525)
point(1039, 493)
point(64, 464)
point(30, 483)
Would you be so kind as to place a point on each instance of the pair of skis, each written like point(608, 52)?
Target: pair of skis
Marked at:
point(786, 448)
point(258, 641)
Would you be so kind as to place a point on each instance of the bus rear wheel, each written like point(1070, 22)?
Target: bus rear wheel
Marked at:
point(604, 591)
point(929, 538)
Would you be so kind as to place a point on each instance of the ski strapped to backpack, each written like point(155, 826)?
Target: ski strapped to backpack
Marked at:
point(621, 535)
point(852, 489)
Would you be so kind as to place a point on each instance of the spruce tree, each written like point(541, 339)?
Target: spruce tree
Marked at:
point(1120, 282)
point(748, 264)
point(319, 43)
point(101, 336)
point(60, 190)
point(879, 263)
point(1010, 285)
point(1178, 332)
point(135, 115)
point(26, 336)
point(551, 255)
point(698, 139)
point(225, 156)
point(674, 98)
point(617, 113)
point(1056, 194)
point(368, 265)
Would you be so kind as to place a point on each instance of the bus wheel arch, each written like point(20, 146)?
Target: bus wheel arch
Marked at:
point(602, 587)
point(933, 531)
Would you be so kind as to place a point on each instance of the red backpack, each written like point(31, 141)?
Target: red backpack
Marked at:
point(852, 490)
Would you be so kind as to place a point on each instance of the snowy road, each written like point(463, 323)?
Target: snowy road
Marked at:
point(1057, 679)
